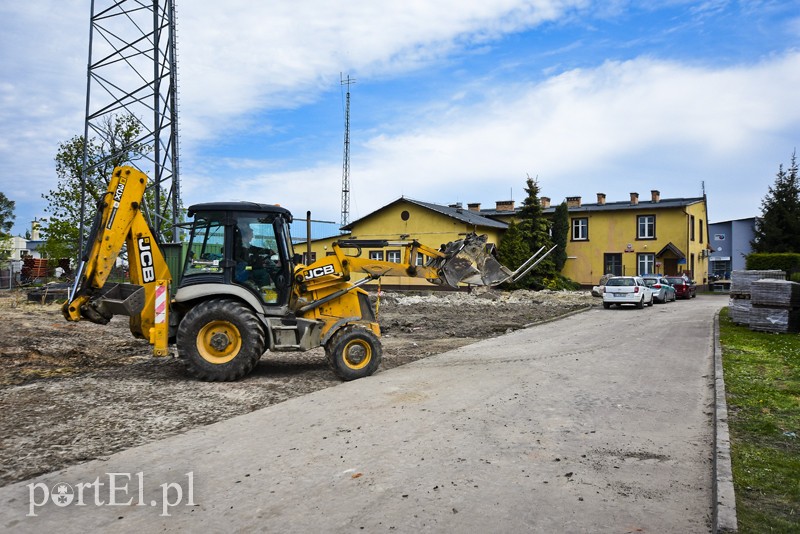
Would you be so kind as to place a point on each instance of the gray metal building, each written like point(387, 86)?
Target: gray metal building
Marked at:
point(730, 241)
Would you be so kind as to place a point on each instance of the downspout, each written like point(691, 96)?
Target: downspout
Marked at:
point(688, 239)
point(707, 241)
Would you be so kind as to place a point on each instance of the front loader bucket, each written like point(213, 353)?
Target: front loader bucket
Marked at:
point(470, 261)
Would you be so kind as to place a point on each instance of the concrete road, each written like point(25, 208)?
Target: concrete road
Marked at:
point(599, 422)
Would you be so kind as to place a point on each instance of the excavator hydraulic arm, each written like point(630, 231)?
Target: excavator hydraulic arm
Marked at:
point(466, 261)
point(119, 222)
point(470, 261)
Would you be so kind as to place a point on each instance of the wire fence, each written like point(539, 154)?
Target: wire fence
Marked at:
point(10, 274)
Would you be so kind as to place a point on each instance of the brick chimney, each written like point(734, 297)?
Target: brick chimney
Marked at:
point(655, 195)
point(545, 202)
point(634, 199)
point(573, 202)
point(505, 205)
point(474, 206)
point(601, 199)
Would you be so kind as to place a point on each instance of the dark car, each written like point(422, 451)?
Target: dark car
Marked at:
point(684, 288)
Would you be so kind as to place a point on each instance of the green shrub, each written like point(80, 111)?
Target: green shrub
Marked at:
point(560, 282)
point(764, 261)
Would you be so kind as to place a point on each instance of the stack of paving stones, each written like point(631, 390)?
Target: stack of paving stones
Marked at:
point(740, 305)
point(775, 306)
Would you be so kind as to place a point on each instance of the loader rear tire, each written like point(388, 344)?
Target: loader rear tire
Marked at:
point(220, 340)
point(354, 352)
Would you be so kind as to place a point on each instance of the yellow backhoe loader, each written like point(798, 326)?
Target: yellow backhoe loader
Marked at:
point(237, 289)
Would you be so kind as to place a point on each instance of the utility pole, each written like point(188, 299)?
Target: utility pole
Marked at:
point(346, 164)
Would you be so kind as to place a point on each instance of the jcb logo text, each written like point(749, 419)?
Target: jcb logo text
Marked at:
point(319, 271)
point(146, 259)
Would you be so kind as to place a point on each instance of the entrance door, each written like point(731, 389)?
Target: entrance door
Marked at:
point(670, 266)
point(612, 264)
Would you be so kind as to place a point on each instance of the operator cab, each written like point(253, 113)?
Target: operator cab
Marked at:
point(241, 243)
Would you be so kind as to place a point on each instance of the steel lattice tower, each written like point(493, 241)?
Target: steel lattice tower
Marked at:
point(346, 164)
point(132, 71)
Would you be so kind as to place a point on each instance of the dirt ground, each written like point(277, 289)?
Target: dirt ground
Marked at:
point(73, 392)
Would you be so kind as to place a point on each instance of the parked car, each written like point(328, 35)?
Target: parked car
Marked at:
point(684, 287)
point(627, 290)
point(661, 288)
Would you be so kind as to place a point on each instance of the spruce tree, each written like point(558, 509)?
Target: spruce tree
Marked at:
point(535, 230)
point(560, 235)
point(513, 250)
point(778, 229)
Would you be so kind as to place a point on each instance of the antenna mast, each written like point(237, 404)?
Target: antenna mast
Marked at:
point(346, 164)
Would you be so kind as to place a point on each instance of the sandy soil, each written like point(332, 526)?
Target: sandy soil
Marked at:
point(72, 392)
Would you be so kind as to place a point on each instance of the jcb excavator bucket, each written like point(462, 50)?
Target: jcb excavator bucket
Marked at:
point(471, 261)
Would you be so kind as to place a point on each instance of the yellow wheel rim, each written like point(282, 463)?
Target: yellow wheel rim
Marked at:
point(219, 342)
point(357, 354)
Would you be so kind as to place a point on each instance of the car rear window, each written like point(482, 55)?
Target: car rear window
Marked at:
point(674, 281)
point(621, 282)
point(650, 281)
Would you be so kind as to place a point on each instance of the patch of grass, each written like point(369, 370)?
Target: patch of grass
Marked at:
point(762, 382)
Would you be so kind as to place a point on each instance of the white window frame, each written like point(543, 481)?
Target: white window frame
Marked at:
point(580, 229)
point(376, 255)
point(647, 260)
point(646, 227)
point(393, 256)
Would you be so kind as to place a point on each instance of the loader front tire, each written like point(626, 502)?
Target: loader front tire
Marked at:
point(354, 352)
point(220, 340)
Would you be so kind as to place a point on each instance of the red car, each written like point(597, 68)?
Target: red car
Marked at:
point(684, 288)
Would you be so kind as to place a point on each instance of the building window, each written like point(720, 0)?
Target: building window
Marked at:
point(701, 230)
point(612, 264)
point(422, 259)
point(646, 227)
point(393, 256)
point(376, 255)
point(580, 229)
point(691, 227)
point(646, 263)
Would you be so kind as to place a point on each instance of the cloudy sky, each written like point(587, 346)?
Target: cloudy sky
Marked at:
point(454, 100)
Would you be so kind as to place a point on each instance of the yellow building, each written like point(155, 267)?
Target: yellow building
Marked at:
point(634, 237)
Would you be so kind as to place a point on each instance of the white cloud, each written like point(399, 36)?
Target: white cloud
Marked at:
point(622, 127)
point(617, 127)
point(235, 58)
point(638, 124)
point(239, 56)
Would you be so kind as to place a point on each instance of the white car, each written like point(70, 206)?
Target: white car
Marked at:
point(627, 290)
